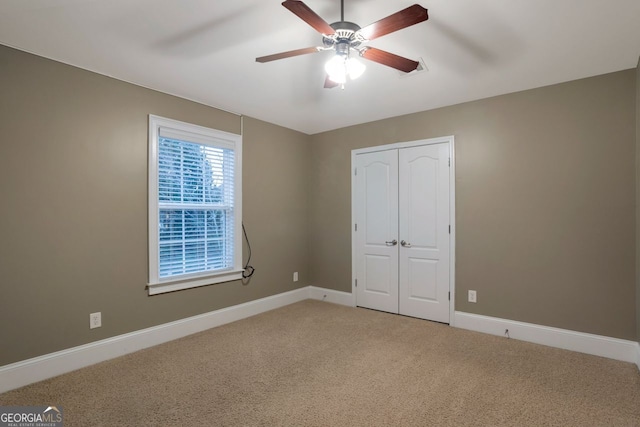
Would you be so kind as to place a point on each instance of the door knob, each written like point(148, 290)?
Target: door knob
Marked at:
point(392, 243)
point(405, 244)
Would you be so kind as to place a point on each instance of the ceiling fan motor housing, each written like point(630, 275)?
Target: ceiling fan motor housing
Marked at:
point(343, 38)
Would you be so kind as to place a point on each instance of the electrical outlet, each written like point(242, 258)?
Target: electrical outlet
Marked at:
point(95, 320)
point(295, 276)
point(472, 296)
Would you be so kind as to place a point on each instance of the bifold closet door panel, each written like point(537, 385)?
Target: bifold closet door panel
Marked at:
point(377, 233)
point(424, 232)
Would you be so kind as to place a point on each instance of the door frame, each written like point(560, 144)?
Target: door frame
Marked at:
point(452, 210)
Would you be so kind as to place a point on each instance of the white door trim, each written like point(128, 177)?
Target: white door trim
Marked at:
point(452, 209)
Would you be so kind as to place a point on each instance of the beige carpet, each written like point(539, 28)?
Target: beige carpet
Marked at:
point(315, 363)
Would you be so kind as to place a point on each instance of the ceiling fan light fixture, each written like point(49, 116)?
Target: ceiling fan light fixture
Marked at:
point(355, 68)
point(340, 67)
point(336, 69)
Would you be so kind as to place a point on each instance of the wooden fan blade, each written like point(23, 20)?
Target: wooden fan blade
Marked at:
point(288, 54)
point(328, 83)
point(399, 20)
point(389, 59)
point(309, 16)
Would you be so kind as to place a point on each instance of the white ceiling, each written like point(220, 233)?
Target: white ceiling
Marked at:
point(205, 50)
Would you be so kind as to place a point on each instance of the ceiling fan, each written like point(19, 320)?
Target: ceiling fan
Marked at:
point(345, 37)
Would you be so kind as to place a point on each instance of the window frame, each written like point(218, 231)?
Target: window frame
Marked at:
point(204, 136)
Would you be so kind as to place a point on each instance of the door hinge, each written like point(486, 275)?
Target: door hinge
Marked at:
point(449, 229)
point(356, 227)
point(449, 295)
point(355, 171)
point(356, 283)
point(449, 161)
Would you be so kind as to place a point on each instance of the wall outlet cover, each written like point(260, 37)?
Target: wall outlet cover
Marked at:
point(95, 320)
point(473, 296)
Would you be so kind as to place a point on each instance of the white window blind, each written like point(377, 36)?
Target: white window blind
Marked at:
point(197, 222)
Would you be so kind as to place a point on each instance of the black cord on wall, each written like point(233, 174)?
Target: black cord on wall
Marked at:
point(248, 270)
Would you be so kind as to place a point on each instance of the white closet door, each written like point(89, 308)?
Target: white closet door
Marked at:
point(377, 234)
point(424, 232)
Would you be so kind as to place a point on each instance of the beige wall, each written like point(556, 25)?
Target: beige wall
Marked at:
point(638, 201)
point(73, 184)
point(544, 202)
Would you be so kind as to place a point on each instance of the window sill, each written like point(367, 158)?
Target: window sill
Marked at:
point(178, 285)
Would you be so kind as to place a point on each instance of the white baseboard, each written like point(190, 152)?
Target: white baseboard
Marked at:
point(597, 345)
point(50, 365)
point(330, 295)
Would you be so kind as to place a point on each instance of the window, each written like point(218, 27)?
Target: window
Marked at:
point(195, 210)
